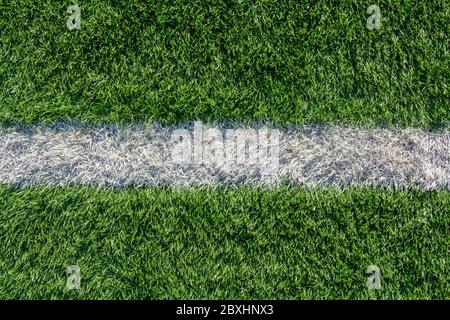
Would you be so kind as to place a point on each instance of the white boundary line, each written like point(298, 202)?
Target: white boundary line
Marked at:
point(143, 156)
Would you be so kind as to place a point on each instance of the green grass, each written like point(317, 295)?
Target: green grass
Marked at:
point(288, 62)
point(288, 243)
point(176, 60)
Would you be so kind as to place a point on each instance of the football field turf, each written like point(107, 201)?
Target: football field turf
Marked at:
point(288, 65)
point(288, 243)
point(172, 61)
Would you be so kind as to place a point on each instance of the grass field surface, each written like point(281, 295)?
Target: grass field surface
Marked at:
point(284, 63)
point(171, 61)
point(246, 243)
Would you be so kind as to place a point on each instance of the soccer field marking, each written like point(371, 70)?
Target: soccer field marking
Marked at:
point(150, 156)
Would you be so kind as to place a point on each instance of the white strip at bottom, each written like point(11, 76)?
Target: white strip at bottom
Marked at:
point(205, 155)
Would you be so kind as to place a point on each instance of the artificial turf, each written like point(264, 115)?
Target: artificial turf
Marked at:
point(287, 243)
point(285, 61)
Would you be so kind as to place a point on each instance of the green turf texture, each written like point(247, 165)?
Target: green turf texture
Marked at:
point(289, 62)
point(287, 243)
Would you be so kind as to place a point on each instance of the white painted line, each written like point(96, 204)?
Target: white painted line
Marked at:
point(206, 155)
